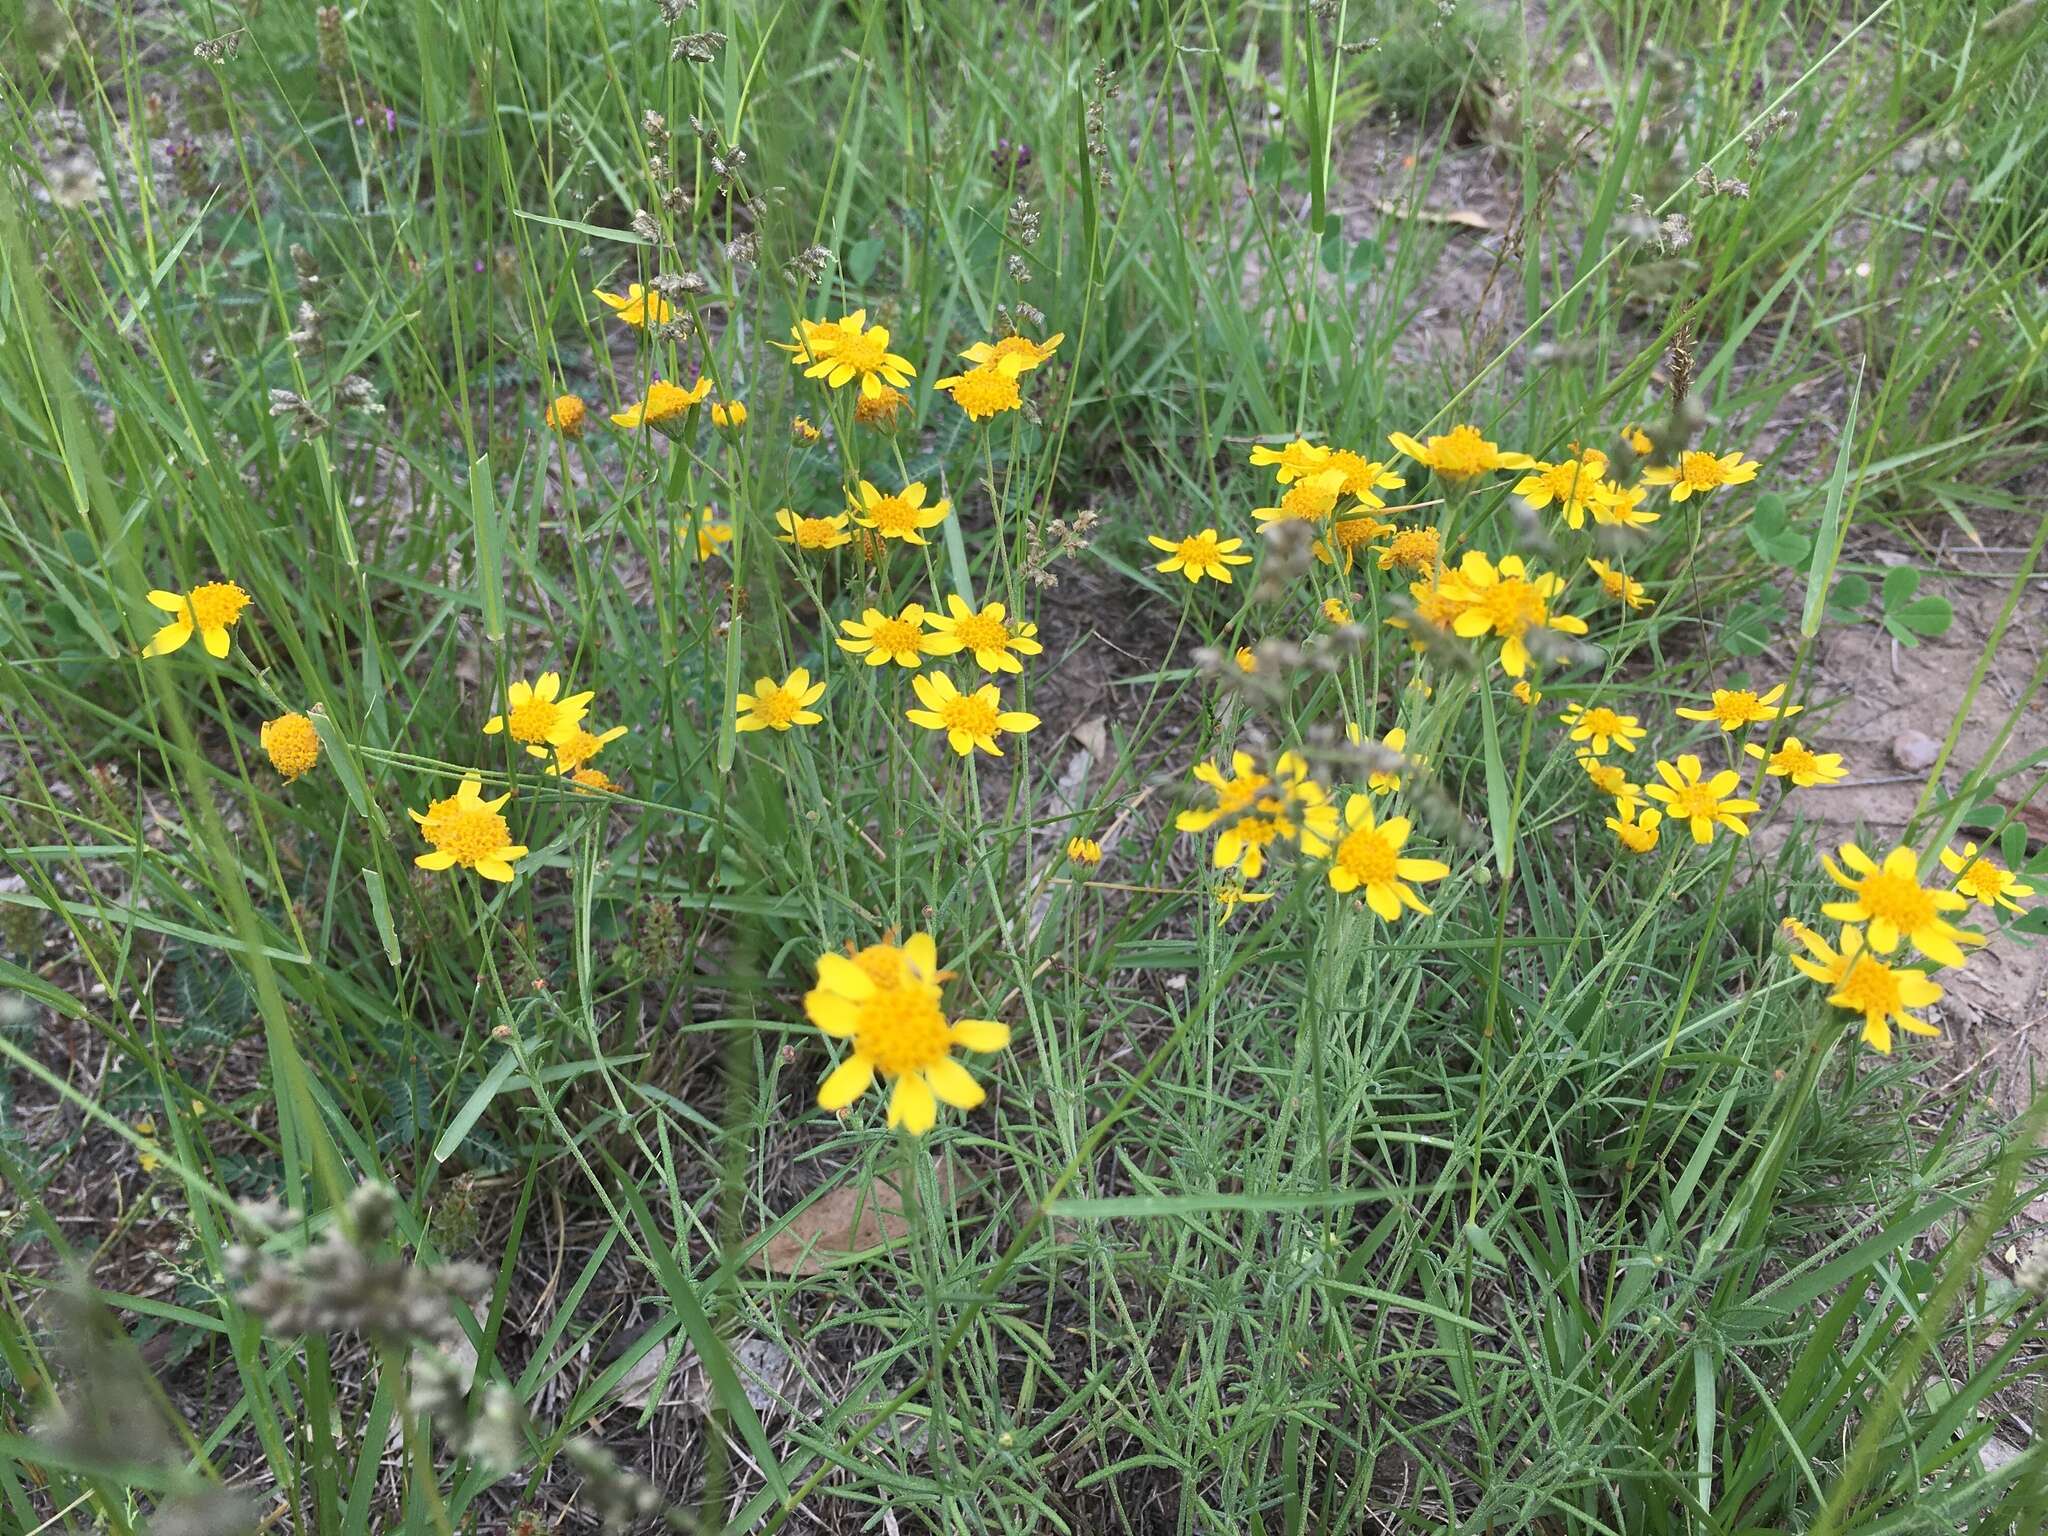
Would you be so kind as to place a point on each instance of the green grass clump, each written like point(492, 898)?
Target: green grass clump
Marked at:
point(1567, 1203)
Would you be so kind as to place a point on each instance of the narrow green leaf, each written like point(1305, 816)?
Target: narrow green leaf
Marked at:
point(1834, 524)
point(474, 1106)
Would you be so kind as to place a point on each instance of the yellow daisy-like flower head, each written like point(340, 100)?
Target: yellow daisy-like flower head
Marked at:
point(1309, 500)
point(291, 743)
point(858, 352)
point(1864, 984)
point(566, 414)
point(882, 639)
point(469, 830)
point(1890, 898)
point(1347, 536)
point(209, 610)
point(1621, 506)
point(774, 706)
point(881, 409)
point(1199, 555)
point(711, 532)
point(1570, 484)
point(1612, 780)
point(1635, 832)
point(1702, 803)
point(1014, 354)
point(1416, 550)
point(537, 714)
point(810, 341)
point(1508, 603)
point(1336, 611)
point(813, 535)
point(666, 408)
point(1247, 659)
point(637, 307)
point(900, 515)
point(885, 1003)
point(1600, 727)
point(969, 720)
point(730, 414)
point(1734, 708)
point(1637, 439)
point(1461, 454)
point(1258, 810)
point(803, 430)
point(1364, 478)
point(1084, 850)
point(577, 748)
point(983, 392)
point(1294, 461)
point(1700, 474)
point(1368, 855)
point(593, 781)
point(988, 634)
point(1617, 584)
point(1983, 881)
point(1801, 764)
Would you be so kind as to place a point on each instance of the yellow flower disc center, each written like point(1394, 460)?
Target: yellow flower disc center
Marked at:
point(579, 749)
point(1870, 988)
point(470, 834)
point(901, 1029)
point(1690, 800)
point(984, 391)
point(1983, 880)
point(895, 636)
point(862, 353)
point(979, 632)
point(1459, 454)
point(813, 533)
point(1898, 900)
point(970, 713)
point(1513, 607)
point(1354, 531)
point(1601, 721)
point(533, 720)
point(1701, 471)
point(1738, 707)
point(1309, 502)
point(1198, 549)
point(777, 706)
point(1415, 549)
point(1797, 760)
point(217, 604)
point(1367, 856)
point(893, 515)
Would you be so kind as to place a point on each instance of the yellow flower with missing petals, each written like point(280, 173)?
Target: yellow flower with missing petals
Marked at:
point(1983, 881)
point(1891, 899)
point(989, 635)
point(1617, 584)
point(209, 610)
point(1369, 855)
point(857, 351)
point(984, 392)
point(811, 341)
point(1346, 537)
point(1600, 725)
point(1414, 549)
point(1434, 606)
point(593, 781)
point(1637, 439)
point(566, 414)
point(292, 744)
point(1084, 850)
point(536, 712)
point(711, 533)
point(1508, 603)
point(774, 706)
point(1611, 779)
point(467, 829)
point(803, 430)
point(666, 408)
point(1294, 461)
point(812, 534)
point(1733, 708)
point(731, 414)
point(1200, 554)
point(1570, 483)
point(1336, 612)
point(1014, 354)
point(1231, 894)
point(637, 307)
point(1864, 984)
point(1702, 803)
point(1618, 506)
point(882, 639)
point(1636, 833)
point(1525, 695)
point(880, 409)
point(885, 1002)
point(1258, 810)
point(1247, 659)
point(1308, 500)
point(1700, 474)
point(899, 515)
point(577, 748)
point(1460, 454)
point(1802, 765)
point(969, 720)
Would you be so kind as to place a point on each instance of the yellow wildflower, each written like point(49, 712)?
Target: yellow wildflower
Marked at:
point(1983, 881)
point(665, 409)
point(969, 720)
point(1611, 779)
point(880, 409)
point(1308, 500)
point(1735, 708)
point(899, 515)
point(857, 351)
point(774, 706)
point(886, 1003)
point(803, 430)
point(467, 829)
point(1802, 765)
point(1200, 554)
point(566, 413)
point(577, 748)
point(994, 640)
point(1258, 810)
point(1891, 899)
point(711, 533)
point(1369, 855)
point(1619, 506)
point(812, 534)
point(1526, 695)
point(1600, 725)
point(882, 639)
point(1864, 984)
point(211, 610)
point(1460, 454)
point(1364, 478)
point(1700, 474)
point(1570, 483)
point(1703, 803)
point(292, 744)
point(729, 413)
point(1293, 462)
point(1347, 536)
point(1335, 611)
point(1382, 781)
point(983, 392)
point(1636, 833)
point(1084, 850)
point(1014, 354)
point(1411, 549)
point(1618, 585)
point(536, 712)
point(1508, 603)
point(638, 307)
